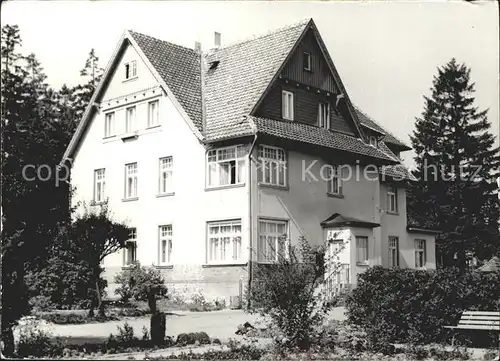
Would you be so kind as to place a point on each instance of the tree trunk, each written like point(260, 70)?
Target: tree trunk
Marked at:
point(100, 304)
point(7, 339)
point(152, 303)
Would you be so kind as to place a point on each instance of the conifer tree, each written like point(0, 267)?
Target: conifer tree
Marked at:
point(456, 167)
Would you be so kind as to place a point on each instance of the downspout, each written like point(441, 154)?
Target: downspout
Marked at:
point(250, 220)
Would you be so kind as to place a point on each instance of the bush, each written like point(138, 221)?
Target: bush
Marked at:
point(198, 303)
point(125, 334)
point(34, 341)
point(412, 306)
point(142, 284)
point(289, 292)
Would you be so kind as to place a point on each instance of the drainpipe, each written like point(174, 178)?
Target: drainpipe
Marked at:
point(250, 221)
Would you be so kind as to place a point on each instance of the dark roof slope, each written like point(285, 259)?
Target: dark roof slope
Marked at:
point(180, 68)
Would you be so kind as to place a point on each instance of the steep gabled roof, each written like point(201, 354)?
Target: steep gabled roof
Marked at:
point(244, 72)
point(180, 68)
point(370, 123)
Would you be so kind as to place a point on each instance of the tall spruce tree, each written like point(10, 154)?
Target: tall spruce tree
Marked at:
point(456, 167)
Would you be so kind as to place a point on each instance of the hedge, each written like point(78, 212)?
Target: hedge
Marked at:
point(405, 305)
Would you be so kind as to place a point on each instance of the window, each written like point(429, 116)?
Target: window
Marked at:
point(99, 185)
point(373, 140)
point(362, 250)
point(392, 199)
point(131, 180)
point(307, 61)
point(226, 166)
point(334, 180)
point(153, 113)
point(166, 244)
point(393, 251)
point(166, 175)
point(131, 69)
point(273, 165)
point(109, 124)
point(130, 120)
point(224, 241)
point(273, 237)
point(324, 115)
point(287, 105)
point(420, 250)
point(130, 251)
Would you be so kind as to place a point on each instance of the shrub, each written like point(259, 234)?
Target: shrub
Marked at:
point(413, 305)
point(34, 341)
point(125, 334)
point(289, 292)
point(141, 283)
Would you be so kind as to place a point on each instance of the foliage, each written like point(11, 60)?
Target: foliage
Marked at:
point(141, 283)
point(34, 341)
point(413, 306)
point(192, 338)
point(198, 303)
point(290, 293)
point(457, 164)
point(125, 333)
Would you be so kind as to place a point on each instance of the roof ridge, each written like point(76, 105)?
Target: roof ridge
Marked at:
point(268, 33)
point(163, 41)
point(377, 123)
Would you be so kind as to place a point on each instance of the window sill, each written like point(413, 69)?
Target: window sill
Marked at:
point(164, 266)
point(153, 126)
point(130, 199)
point(334, 195)
point(126, 267)
point(161, 195)
point(100, 203)
point(129, 79)
point(109, 137)
point(393, 213)
point(362, 264)
point(216, 188)
point(228, 264)
point(130, 135)
point(284, 188)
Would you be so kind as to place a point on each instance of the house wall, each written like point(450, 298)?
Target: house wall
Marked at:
point(187, 210)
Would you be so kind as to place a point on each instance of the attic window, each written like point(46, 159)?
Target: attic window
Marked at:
point(307, 61)
point(130, 69)
point(373, 140)
point(213, 64)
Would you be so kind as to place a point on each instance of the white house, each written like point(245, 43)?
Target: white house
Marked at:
point(212, 157)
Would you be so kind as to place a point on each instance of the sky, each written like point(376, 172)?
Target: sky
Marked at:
point(387, 53)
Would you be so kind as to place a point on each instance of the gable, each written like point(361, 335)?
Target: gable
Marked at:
point(310, 87)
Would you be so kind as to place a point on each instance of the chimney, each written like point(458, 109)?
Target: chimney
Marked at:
point(197, 46)
point(217, 40)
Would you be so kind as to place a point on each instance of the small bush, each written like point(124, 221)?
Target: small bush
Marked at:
point(289, 292)
point(35, 342)
point(184, 339)
point(125, 334)
point(145, 333)
point(142, 284)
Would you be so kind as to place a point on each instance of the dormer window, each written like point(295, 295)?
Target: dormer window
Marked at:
point(130, 69)
point(307, 61)
point(287, 105)
point(373, 140)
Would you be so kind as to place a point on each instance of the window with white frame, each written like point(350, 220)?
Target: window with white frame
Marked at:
point(130, 119)
point(224, 241)
point(420, 253)
point(130, 250)
point(99, 184)
point(226, 166)
point(307, 61)
point(287, 105)
point(373, 140)
point(392, 199)
point(130, 180)
point(334, 180)
point(361, 249)
point(166, 237)
point(324, 115)
point(393, 251)
point(166, 172)
point(131, 69)
point(153, 113)
point(109, 124)
point(273, 238)
point(272, 166)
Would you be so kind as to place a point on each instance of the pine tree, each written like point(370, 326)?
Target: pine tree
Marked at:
point(456, 167)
